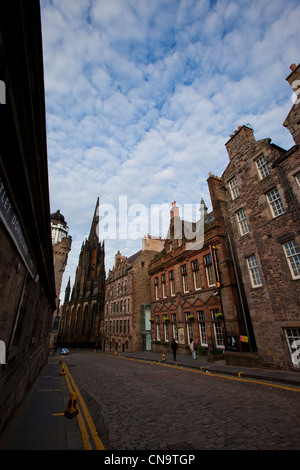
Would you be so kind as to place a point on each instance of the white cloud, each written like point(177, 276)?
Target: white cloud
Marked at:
point(142, 95)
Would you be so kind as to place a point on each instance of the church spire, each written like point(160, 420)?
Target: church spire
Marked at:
point(93, 237)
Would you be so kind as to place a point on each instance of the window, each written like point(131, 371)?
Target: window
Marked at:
point(214, 312)
point(184, 278)
point(202, 328)
point(234, 190)
point(163, 280)
point(262, 167)
point(293, 340)
point(209, 271)
point(172, 288)
point(166, 330)
point(253, 271)
point(189, 327)
point(175, 332)
point(196, 274)
point(275, 202)
point(292, 254)
point(242, 222)
point(218, 335)
point(157, 327)
point(156, 288)
point(297, 178)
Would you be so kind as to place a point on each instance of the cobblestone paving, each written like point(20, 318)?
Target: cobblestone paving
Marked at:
point(144, 406)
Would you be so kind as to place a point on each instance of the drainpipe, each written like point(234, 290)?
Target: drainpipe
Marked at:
point(240, 292)
point(288, 188)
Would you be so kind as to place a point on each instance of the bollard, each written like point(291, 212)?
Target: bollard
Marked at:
point(72, 407)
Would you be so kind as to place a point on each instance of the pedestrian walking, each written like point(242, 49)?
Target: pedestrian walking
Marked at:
point(193, 348)
point(174, 347)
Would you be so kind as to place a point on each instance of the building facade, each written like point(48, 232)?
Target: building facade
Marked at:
point(193, 291)
point(126, 323)
point(61, 244)
point(261, 212)
point(83, 309)
point(27, 289)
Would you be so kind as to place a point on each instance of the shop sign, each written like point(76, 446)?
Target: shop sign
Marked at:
point(14, 228)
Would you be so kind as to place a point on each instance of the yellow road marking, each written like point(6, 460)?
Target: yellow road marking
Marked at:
point(211, 374)
point(97, 440)
point(83, 430)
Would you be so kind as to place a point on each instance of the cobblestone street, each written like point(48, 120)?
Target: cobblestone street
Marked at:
point(147, 406)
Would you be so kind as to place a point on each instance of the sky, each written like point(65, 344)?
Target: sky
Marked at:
point(141, 97)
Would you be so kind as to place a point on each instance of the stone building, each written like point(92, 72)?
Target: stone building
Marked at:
point(127, 301)
point(61, 244)
point(27, 289)
point(83, 310)
point(260, 210)
point(193, 289)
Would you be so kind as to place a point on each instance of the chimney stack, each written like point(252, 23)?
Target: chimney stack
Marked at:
point(294, 75)
point(242, 135)
point(174, 211)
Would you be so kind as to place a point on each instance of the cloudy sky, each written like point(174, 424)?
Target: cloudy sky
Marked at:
point(142, 95)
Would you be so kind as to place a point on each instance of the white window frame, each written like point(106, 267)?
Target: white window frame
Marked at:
point(202, 328)
point(275, 203)
point(234, 190)
point(163, 283)
point(242, 222)
point(219, 335)
point(156, 288)
point(172, 284)
point(166, 331)
point(189, 330)
point(175, 332)
point(292, 336)
point(184, 279)
point(210, 273)
point(262, 167)
point(292, 255)
point(253, 271)
point(157, 328)
point(196, 274)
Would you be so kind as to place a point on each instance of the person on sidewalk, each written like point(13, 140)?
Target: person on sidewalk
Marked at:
point(193, 348)
point(174, 347)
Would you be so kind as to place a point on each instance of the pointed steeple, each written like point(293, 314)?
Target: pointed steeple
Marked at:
point(93, 237)
point(68, 290)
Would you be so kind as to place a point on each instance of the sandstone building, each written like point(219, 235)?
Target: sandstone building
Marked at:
point(27, 289)
point(261, 213)
point(83, 309)
point(61, 243)
point(126, 323)
point(193, 289)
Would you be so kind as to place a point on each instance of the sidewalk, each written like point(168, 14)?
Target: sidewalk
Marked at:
point(40, 424)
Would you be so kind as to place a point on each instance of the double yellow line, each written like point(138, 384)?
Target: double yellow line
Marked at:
point(83, 411)
point(211, 374)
